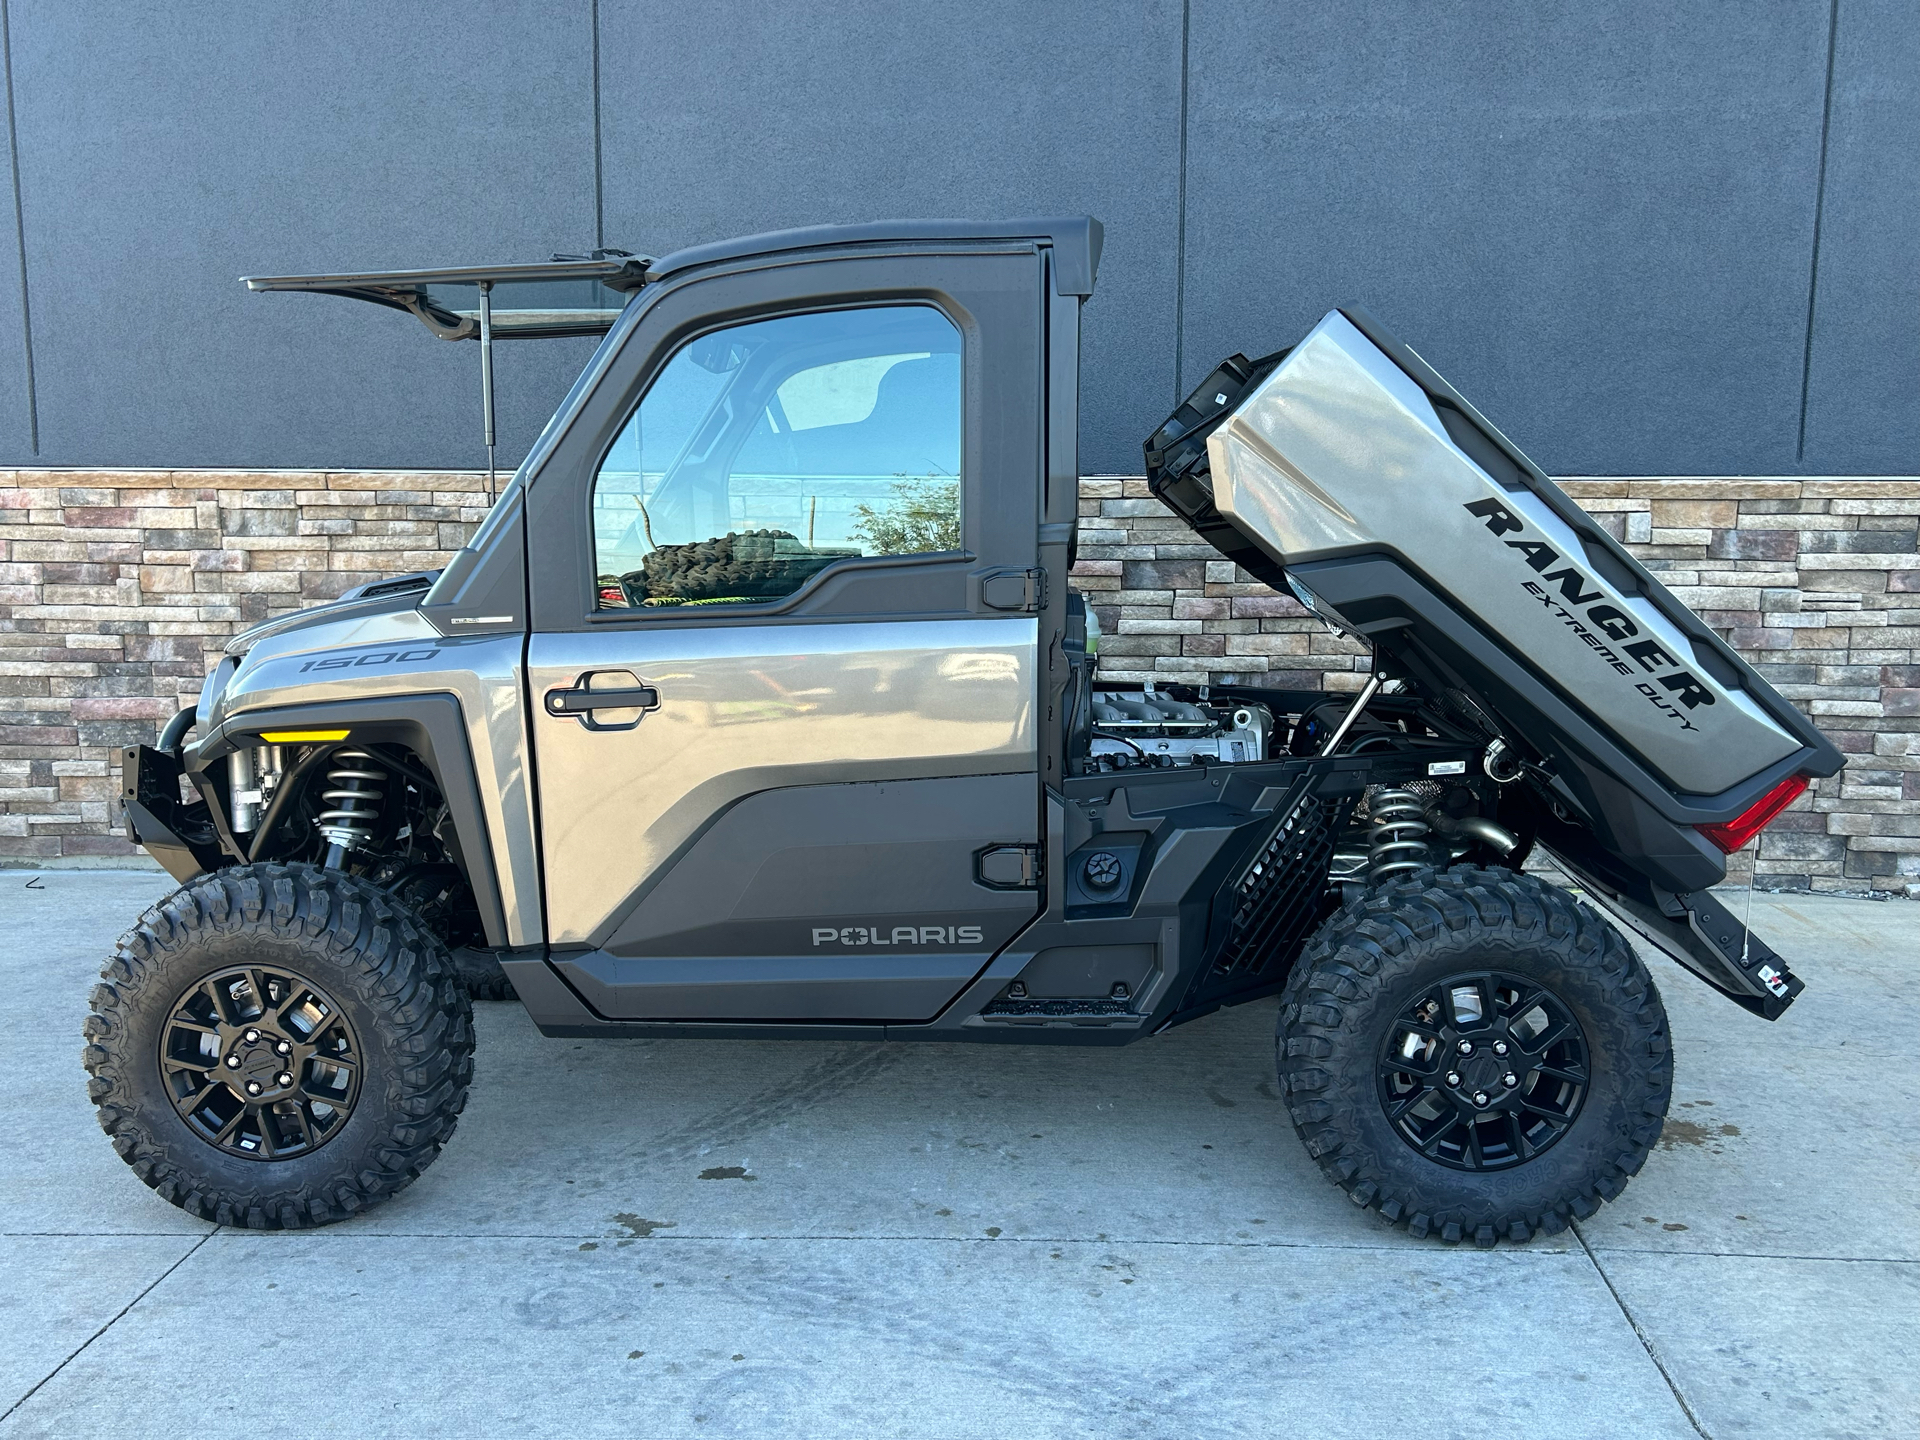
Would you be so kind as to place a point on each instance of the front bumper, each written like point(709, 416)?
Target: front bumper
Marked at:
point(177, 834)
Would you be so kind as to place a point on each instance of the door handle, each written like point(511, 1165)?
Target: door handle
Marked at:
point(577, 700)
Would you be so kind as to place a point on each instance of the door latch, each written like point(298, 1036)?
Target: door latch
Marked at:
point(1008, 867)
point(1021, 590)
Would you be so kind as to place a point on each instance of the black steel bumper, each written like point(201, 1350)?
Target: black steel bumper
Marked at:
point(179, 835)
point(1696, 930)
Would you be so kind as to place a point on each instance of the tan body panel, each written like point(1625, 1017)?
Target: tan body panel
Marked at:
point(343, 660)
point(744, 709)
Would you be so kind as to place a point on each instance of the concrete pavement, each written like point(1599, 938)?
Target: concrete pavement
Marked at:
point(732, 1237)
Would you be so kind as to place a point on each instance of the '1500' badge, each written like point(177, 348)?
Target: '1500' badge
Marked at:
point(379, 657)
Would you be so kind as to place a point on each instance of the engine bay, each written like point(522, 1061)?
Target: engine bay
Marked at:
point(1456, 810)
point(1145, 727)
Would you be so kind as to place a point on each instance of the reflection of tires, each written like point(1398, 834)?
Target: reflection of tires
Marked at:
point(278, 1046)
point(1475, 1054)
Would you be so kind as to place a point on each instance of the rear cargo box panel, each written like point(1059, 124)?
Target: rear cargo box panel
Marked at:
point(1334, 450)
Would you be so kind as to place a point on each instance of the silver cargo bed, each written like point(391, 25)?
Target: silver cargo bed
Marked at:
point(1345, 459)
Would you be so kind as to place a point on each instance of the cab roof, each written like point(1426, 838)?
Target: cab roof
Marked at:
point(1076, 242)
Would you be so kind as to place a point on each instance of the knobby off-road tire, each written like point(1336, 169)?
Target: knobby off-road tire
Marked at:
point(1378, 956)
point(381, 971)
point(439, 897)
point(481, 976)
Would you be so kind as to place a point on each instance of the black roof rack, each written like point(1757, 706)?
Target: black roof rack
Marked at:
point(568, 295)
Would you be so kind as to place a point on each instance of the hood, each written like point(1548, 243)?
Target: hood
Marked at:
point(376, 597)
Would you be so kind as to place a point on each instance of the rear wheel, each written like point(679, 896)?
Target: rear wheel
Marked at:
point(279, 1046)
point(1475, 1054)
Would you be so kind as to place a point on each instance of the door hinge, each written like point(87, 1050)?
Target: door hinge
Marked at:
point(1008, 867)
point(1018, 590)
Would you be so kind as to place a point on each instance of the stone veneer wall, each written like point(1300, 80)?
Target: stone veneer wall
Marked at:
point(116, 588)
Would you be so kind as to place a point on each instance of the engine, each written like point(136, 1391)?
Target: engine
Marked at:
point(1143, 727)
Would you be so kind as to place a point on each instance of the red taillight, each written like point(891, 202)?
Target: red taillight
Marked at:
point(1735, 833)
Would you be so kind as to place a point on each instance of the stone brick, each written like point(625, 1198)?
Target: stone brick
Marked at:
point(116, 845)
point(126, 707)
point(248, 521)
point(1788, 845)
point(1164, 574)
point(1694, 514)
point(1261, 607)
point(1190, 607)
point(1265, 644)
point(99, 517)
point(1754, 544)
point(166, 579)
point(1876, 541)
point(1111, 645)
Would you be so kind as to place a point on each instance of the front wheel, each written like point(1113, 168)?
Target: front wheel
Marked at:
point(1475, 1054)
point(278, 1046)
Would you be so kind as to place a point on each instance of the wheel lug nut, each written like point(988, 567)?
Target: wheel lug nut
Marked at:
point(283, 1078)
point(233, 1062)
point(1509, 1079)
point(1466, 1047)
point(285, 1047)
point(251, 1036)
point(1499, 1047)
point(1479, 1097)
point(1453, 1077)
point(253, 1087)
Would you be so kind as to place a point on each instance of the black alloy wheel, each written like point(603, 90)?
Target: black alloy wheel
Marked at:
point(260, 1062)
point(1484, 1071)
point(278, 1046)
point(1474, 1054)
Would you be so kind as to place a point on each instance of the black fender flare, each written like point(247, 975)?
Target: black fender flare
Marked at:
point(434, 728)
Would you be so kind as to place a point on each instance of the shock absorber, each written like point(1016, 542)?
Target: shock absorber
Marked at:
point(1396, 841)
point(356, 784)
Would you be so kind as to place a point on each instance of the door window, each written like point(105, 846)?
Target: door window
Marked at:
point(765, 452)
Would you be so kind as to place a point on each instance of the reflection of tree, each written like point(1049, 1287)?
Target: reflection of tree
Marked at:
point(923, 515)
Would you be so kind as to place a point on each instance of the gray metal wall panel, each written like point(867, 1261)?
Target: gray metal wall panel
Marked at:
point(16, 431)
point(774, 116)
point(1863, 410)
point(1597, 221)
point(1594, 220)
point(167, 150)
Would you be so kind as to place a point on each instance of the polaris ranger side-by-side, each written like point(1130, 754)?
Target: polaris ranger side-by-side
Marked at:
point(760, 705)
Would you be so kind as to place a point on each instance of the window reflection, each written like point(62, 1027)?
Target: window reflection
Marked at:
point(764, 453)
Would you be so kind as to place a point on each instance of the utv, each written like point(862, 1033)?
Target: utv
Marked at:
point(760, 705)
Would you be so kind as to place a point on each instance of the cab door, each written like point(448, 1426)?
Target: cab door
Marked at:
point(784, 669)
